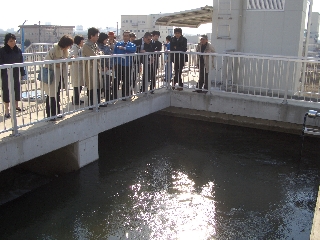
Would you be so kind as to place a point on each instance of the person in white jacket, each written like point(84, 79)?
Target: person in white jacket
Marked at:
point(76, 69)
point(203, 61)
point(52, 90)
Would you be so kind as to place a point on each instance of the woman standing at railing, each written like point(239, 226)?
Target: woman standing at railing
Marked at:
point(106, 64)
point(76, 70)
point(59, 51)
point(10, 54)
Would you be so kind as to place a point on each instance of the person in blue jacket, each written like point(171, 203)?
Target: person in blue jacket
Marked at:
point(123, 64)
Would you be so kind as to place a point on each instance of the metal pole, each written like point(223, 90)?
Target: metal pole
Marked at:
point(96, 101)
point(117, 32)
point(12, 102)
point(306, 49)
point(39, 31)
point(22, 39)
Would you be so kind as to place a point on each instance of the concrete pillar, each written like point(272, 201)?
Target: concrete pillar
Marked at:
point(86, 151)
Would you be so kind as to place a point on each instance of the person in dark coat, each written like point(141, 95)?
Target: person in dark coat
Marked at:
point(157, 47)
point(10, 54)
point(144, 45)
point(178, 43)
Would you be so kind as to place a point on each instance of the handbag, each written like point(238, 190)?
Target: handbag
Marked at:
point(45, 75)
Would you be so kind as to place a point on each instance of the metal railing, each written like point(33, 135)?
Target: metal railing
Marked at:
point(100, 80)
point(39, 47)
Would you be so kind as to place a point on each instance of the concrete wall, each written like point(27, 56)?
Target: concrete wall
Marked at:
point(79, 132)
point(261, 31)
point(76, 138)
point(263, 110)
point(222, 18)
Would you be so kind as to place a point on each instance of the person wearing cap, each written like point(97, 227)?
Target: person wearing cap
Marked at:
point(112, 41)
point(203, 61)
point(178, 44)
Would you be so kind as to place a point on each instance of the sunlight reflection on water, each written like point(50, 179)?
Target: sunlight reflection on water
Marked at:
point(182, 214)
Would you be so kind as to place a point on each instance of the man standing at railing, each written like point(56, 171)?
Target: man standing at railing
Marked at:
point(123, 66)
point(90, 48)
point(144, 45)
point(203, 61)
point(178, 43)
point(157, 47)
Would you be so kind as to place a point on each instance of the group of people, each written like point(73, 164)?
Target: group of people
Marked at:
point(115, 71)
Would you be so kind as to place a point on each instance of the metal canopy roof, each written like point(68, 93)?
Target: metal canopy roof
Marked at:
point(191, 18)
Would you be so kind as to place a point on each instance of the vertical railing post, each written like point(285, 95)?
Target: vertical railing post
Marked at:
point(285, 98)
point(168, 70)
point(12, 102)
point(95, 83)
point(145, 76)
point(210, 74)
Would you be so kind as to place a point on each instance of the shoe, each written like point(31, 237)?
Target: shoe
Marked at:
point(19, 109)
point(103, 105)
point(152, 92)
point(81, 102)
point(59, 116)
point(7, 115)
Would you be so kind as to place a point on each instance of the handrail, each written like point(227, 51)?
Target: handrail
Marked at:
point(232, 72)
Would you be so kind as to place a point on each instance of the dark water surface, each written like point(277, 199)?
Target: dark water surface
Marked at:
point(162, 177)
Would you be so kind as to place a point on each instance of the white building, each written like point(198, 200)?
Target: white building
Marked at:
point(79, 28)
point(262, 27)
point(46, 33)
point(314, 29)
point(140, 24)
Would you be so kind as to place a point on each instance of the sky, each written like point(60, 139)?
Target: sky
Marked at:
point(102, 16)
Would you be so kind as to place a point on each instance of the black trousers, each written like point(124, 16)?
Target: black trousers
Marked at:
point(76, 95)
point(90, 94)
point(178, 66)
point(122, 73)
point(106, 79)
point(5, 88)
point(203, 77)
point(53, 103)
point(151, 77)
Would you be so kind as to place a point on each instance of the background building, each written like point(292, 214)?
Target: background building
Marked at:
point(314, 29)
point(139, 24)
point(46, 33)
point(262, 27)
